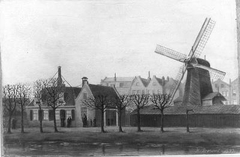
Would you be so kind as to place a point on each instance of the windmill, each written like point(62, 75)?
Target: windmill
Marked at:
point(198, 82)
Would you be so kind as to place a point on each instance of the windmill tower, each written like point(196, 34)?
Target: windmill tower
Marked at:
point(198, 82)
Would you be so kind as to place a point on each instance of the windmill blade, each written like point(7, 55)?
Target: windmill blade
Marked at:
point(214, 73)
point(202, 38)
point(177, 83)
point(170, 53)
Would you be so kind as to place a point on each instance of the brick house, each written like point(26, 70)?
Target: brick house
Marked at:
point(65, 110)
point(90, 90)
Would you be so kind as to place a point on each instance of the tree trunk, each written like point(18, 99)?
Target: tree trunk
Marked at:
point(54, 120)
point(40, 126)
point(138, 117)
point(40, 122)
point(162, 121)
point(120, 121)
point(102, 120)
point(22, 124)
point(9, 124)
point(187, 121)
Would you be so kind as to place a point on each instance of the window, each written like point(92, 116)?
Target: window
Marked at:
point(234, 102)
point(139, 92)
point(223, 93)
point(73, 114)
point(133, 92)
point(222, 85)
point(154, 83)
point(226, 93)
point(117, 84)
point(57, 114)
point(84, 95)
point(159, 91)
point(143, 92)
point(234, 92)
point(121, 84)
point(50, 115)
point(45, 115)
point(35, 114)
point(153, 91)
point(137, 84)
point(216, 86)
point(31, 115)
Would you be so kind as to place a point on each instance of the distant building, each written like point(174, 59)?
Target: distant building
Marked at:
point(228, 90)
point(139, 85)
point(234, 92)
point(122, 84)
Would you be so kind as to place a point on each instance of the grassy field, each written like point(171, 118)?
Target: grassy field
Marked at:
point(197, 136)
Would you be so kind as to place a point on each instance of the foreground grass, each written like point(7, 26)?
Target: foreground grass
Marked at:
point(197, 136)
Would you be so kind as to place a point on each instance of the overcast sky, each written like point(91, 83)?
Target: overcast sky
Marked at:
point(99, 38)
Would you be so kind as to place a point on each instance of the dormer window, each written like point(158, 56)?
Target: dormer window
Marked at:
point(84, 95)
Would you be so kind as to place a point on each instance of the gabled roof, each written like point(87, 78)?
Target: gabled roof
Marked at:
point(70, 93)
point(210, 96)
point(102, 90)
point(145, 81)
point(31, 103)
point(219, 81)
point(160, 81)
point(173, 110)
point(123, 79)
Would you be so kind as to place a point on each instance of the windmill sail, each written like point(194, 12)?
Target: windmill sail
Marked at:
point(170, 53)
point(202, 38)
point(214, 73)
point(177, 82)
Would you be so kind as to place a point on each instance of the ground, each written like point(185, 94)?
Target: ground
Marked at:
point(204, 138)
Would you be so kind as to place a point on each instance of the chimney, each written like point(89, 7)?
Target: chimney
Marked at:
point(149, 75)
point(168, 78)
point(59, 79)
point(163, 80)
point(204, 57)
point(84, 80)
point(115, 77)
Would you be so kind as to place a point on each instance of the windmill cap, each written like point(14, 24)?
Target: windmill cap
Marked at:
point(203, 62)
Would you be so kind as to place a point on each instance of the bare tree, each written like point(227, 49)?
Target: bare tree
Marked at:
point(161, 102)
point(139, 100)
point(53, 96)
point(99, 102)
point(10, 102)
point(23, 95)
point(38, 95)
point(121, 102)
